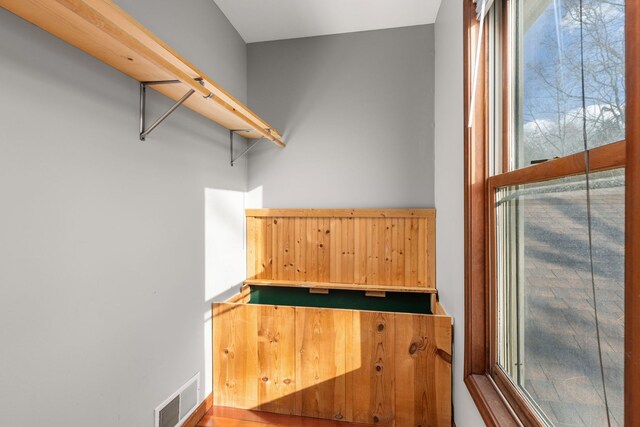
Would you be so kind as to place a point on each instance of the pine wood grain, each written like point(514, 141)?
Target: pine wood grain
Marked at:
point(332, 285)
point(321, 362)
point(375, 250)
point(261, 249)
point(348, 365)
point(312, 230)
point(372, 377)
point(360, 250)
point(423, 370)
point(276, 359)
point(324, 248)
point(268, 244)
point(344, 213)
point(290, 248)
point(378, 368)
point(235, 355)
point(252, 270)
point(401, 257)
point(276, 247)
point(373, 253)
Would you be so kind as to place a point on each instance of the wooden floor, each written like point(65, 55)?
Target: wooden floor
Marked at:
point(220, 416)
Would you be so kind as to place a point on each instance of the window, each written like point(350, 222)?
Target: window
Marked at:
point(546, 189)
point(557, 47)
point(547, 342)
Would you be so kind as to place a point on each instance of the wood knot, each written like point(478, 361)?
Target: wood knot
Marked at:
point(380, 327)
point(328, 232)
point(321, 245)
point(338, 417)
point(376, 419)
point(273, 338)
point(287, 381)
point(226, 351)
point(275, 221)
point(265, 379)
point(444, 355)
point(378, 367)
point(413, 348)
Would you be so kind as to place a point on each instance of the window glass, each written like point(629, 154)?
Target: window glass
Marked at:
point(547, 341)
point(549, 55)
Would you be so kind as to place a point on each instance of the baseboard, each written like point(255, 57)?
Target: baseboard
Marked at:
point(200, 411)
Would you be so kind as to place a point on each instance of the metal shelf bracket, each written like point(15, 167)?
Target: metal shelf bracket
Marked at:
point(253, 144)
point(143, 105)
point(144, 131)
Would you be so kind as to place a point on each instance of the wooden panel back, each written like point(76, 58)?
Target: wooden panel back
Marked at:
point(393, 247)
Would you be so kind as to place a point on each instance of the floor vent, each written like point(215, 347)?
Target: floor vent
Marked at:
point(180, 405)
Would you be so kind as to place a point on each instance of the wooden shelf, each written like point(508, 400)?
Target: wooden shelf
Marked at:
point(341, 286)
point(342, 213)
point(103, 30)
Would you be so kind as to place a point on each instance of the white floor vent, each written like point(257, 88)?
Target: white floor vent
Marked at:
point(180, 405)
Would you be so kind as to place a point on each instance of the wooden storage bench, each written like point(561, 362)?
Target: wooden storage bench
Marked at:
point(320, 337)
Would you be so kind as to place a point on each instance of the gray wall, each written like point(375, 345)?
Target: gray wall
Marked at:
point(102, 238)
point(356, 111)
point(449, 191)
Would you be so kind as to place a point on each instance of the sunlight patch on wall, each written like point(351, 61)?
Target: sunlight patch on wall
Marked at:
point(253, 198)
point(224, 243)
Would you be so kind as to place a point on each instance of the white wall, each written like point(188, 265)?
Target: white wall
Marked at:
point(449, 191)
point(356, 111)
point(102, 237)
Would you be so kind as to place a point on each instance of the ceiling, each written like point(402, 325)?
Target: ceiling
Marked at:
point(262, 20)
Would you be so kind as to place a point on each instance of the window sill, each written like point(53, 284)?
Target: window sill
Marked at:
point(493, 408)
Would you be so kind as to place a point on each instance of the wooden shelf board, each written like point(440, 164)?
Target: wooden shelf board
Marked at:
point(103, 30)
point(345, 286)
point(342, 213)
